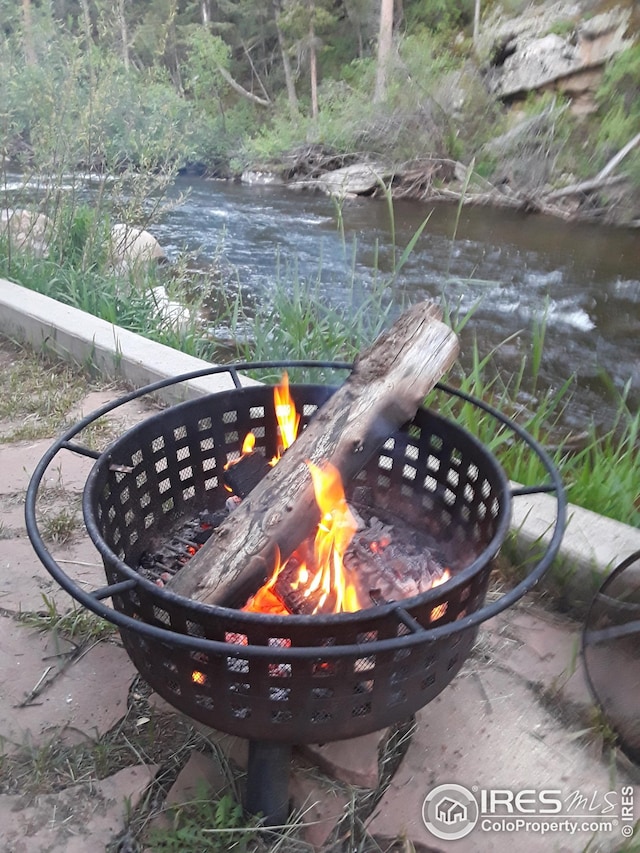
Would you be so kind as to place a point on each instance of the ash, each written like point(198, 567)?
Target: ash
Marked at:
point(391, 558)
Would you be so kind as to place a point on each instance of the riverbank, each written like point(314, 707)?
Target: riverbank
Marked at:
point(538, 102)
point(607, 198)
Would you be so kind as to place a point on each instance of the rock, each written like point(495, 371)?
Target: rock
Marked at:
point(27, 230)
point(360, 179)
point(524, 60)
point(259, 177)
point(131, 247)
point(354, 761)
point(86, 816)
point(172, 314)
point(319, 803)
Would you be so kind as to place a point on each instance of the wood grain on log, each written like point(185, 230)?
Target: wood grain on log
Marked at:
point(387, 385)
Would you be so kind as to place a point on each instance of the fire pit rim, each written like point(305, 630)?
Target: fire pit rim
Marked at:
point(93, 600)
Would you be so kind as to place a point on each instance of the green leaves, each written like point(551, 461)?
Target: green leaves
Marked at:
point(205, 825)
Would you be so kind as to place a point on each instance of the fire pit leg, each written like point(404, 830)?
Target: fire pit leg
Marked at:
point(267, 791)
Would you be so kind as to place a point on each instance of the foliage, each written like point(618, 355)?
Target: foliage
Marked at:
point(443, 15)
point(619, 103)
point(78, 624)
point(205, 55)
point(85, 110)
point(204, 824)
point(532, 148)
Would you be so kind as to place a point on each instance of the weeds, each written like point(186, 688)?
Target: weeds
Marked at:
point(204, 824)
point(79, 624)
point(60, 527)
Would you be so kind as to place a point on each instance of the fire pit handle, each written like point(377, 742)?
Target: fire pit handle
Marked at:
point(416, 633)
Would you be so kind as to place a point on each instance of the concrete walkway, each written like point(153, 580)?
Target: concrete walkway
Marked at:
point(90, 759)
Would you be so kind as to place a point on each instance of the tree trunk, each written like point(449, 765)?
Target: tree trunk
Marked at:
point(263, 102)
point(124, 33)
point(619, 157)
point(27, 33)
point(313, 71)
point(476, 24)
point(385, 40)
point(86, 23)
point(388, 384)
point(286, 66)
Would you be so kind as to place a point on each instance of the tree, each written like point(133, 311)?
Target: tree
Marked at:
point(304, 22)
point(208, 64)
point(385, 41)
point(476, 24)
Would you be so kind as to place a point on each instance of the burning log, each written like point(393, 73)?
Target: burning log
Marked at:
point(387, 385)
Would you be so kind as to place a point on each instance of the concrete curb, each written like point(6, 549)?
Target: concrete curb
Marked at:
point(592, 544)
point(47, 325)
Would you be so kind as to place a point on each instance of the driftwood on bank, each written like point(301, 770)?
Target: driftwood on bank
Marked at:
point(388, 384)
point(437, 179)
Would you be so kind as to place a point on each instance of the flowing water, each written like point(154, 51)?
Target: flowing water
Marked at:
point(514, 268)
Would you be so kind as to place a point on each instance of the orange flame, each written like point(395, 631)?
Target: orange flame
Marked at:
point(321, 577)
point(286, 415)
point(248, 444)
point(335, 532)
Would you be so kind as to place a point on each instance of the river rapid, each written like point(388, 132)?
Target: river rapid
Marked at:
point(511, 269)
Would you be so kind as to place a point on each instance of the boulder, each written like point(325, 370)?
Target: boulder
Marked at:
point(27, 231)
point(131, 247)
point(528, 55)
point(359, 179)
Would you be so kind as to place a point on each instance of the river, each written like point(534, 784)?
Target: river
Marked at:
point(512, 268)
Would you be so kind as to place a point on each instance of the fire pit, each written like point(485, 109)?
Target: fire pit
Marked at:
point(290, 679)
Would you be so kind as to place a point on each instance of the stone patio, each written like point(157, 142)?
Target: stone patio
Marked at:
point(518, 717)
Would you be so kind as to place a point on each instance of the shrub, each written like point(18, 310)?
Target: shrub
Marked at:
point(619, 105)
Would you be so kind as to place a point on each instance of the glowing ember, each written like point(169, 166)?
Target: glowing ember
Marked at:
point(198, 677)
point(439, 611)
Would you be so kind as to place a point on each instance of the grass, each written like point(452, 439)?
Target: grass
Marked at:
point(36, 395)
point(61, 526)
point(78, 624)
point(44, 768)
point(599, 469)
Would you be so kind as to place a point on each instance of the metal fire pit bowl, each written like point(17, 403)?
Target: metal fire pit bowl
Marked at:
point(293, 679)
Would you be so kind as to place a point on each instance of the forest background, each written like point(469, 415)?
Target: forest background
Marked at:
point(223, 86)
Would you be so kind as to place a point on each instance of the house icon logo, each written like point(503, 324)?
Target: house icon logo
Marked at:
point(450, 812)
